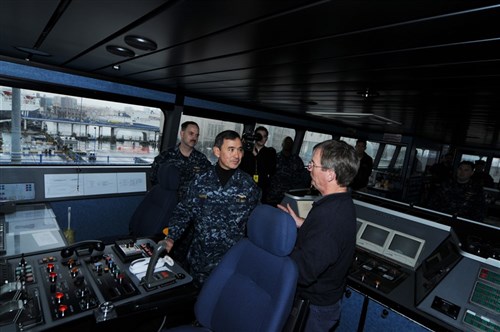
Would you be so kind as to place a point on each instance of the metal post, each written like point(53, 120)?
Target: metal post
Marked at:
point(15, 152)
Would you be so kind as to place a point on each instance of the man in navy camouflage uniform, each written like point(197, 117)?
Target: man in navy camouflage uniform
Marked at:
point(219, 202)
point(461, 196)
point(190, 163)
point(188, 160)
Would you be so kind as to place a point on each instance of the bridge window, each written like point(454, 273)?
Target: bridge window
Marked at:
point(425, 159)
point(311, 138)
point(472, 157)
point(401, 158)
point(391, 157)
point(276, 135)
point(495, 169)
point(371, 147)
point(209, 128)
point(47, 128)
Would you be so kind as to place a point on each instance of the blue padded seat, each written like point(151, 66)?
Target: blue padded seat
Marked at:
point(253, 287)
point(154, 212)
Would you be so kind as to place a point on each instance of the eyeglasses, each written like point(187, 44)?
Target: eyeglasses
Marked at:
point(311, 165)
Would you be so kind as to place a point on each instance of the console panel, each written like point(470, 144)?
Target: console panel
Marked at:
point(53, 290)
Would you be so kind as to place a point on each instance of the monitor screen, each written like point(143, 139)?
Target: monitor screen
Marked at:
point(373, 237)
point(404, 248)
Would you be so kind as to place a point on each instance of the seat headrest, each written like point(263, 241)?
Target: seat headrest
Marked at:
point(272, 230)
point(168, 176)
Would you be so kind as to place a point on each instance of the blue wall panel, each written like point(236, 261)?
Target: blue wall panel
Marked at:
point(388, 321)
point(97, 218)
point(351, 312)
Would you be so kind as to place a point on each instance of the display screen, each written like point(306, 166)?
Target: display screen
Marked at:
point(375, 235)
point(404, 245)
point(404, 248)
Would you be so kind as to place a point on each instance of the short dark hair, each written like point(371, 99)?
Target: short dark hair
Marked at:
point(466, 162)
point(341, 157)
point(261, 128)
point(187, 123)
point(226, 134)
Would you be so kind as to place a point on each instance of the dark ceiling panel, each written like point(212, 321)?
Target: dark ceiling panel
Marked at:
point(435, 65)
point(84, 25)
point(21, 24)
point(172, 30)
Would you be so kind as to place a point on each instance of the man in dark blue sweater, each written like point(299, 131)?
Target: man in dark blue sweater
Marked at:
point(327, 237)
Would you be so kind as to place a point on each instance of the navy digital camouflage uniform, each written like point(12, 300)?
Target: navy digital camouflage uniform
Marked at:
point(290, 174)
point(465, 200)
point(219, 215)
point(189, 167)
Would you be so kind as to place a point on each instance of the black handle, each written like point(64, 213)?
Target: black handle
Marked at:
point(88, 245)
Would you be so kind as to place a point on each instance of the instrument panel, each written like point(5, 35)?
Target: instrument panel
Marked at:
point(86, 280)
point(417, 267)
point(432, 281)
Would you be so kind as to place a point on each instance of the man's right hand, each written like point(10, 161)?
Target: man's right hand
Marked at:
point(288, 209)
point(170, 244)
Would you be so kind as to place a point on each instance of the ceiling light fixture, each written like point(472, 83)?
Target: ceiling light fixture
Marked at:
point(116, 67)
point(368, 93)
point(120, 51)
point(356, 117)
point(141, 43)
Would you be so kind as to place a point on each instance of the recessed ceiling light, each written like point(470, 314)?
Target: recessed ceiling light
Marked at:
point(368, 93)
point(120, 51)
point(141, 43)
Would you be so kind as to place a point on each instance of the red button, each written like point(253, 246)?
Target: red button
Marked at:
point(59, 296)
point(62, 309)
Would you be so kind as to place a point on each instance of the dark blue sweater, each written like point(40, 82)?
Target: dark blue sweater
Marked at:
point(325, 248)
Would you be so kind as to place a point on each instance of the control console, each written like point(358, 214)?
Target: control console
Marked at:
point(88, 279)
point(377, 272)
